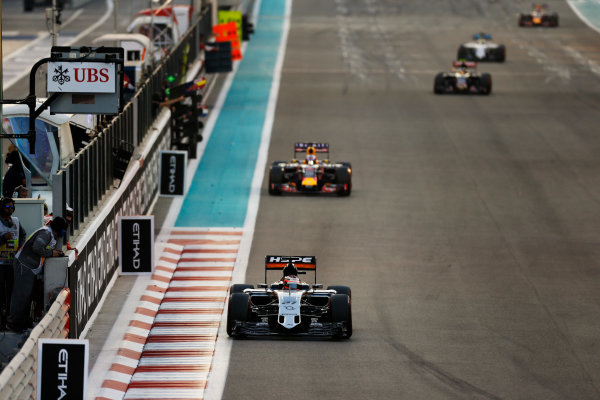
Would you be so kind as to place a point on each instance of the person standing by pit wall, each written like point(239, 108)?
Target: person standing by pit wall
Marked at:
point(11, 235)
point(29, 264)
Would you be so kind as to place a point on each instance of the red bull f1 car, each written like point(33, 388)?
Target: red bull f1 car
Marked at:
point(539, 17)
point(463, 80)
point(310, 175)
point(482, 48)
point(289, 306)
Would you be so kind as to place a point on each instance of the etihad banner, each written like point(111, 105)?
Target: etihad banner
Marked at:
point(136, 245)
point(172, 172)
point(62, 369)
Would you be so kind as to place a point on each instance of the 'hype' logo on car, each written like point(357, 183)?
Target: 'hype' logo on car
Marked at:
point(279, 259)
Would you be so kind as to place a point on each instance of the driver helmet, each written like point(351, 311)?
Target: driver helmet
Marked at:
point(311, 155)
point(290, 270)
point(291, 282)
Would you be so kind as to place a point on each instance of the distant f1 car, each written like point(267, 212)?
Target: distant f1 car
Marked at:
point(463, 80)
point(289, 306)
point(539, 17)
point(310, 175)
point(482, 49)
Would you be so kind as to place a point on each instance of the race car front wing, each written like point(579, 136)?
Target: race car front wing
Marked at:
point(323, 329)
point(327, 188)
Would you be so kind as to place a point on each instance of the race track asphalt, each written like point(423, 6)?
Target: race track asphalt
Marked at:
point(471, 236)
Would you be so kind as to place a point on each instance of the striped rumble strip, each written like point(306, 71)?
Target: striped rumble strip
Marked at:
point(167, 351)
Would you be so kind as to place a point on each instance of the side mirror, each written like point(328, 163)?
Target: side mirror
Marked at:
point(262, 286)
point(317, 286)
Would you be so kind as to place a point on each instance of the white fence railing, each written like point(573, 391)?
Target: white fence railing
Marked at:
point(18, 379)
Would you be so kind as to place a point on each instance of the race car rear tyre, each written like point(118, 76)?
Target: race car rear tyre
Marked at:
point(486, 84)
point(341, 311)
point(237, 310)
point(501, 53)
point(341, 290)
point(438, 83)
point(239, 288)
point(554, 20)
point(275, 179)
point(523, 19)
point(463, 53)
point(344, 177)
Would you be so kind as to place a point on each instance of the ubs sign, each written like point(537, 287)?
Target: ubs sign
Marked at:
point(62, 369)
point(81, 77)
point(136, 244)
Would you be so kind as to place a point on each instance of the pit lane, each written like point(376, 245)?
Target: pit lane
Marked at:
point(470, 239)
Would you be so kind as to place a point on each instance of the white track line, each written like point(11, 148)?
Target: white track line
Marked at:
point(220, 366)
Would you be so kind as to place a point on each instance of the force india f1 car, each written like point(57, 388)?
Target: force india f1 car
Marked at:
point(482, 49)
point(463, 79)
point(539, 17)
point(289, 306)
point(310, 175)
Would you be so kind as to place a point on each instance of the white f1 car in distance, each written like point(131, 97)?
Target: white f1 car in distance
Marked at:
point(289, 306)
point(482, 48)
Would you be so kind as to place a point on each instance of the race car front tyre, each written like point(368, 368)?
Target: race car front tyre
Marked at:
point(438, 83)
point(237, 310)
point(486, 84)
point(341, 290)
point(239, 287)
point(344, 177)
point(341, 311)
point(275, 179)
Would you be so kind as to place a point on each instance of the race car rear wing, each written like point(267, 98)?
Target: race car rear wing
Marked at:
point(301, 147)
point(302, 263)
point(468, 64)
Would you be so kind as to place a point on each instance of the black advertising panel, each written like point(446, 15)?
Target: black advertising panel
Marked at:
point(62, 369)
point(136, 244)
point(172, 172)
point(105, 246)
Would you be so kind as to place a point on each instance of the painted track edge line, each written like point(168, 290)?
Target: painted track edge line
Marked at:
point(217, 376)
